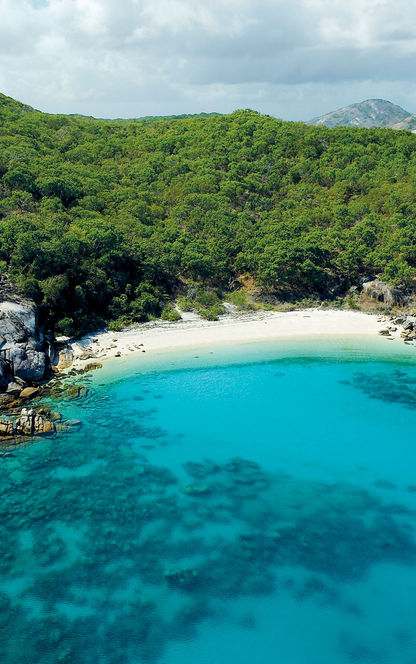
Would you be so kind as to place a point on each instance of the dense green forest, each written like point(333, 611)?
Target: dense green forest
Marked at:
point(107, 221)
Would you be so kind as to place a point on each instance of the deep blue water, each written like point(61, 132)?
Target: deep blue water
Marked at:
point(246, 504)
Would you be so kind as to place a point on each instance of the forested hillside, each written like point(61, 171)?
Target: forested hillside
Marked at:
point(107, 221)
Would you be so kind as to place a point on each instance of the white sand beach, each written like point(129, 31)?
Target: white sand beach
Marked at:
point(235, 327)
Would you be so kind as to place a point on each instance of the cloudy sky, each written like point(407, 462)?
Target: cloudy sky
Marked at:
point(126, 58)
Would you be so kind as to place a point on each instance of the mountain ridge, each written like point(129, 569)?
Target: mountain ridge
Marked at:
point(20, 107)
point(370, 113)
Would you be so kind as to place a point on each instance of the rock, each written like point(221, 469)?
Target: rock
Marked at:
point(73, 423)
point(20, 382)
point(181, 577)
point(5, 373)
point(5, 400)
point(24, 425)
point(6, 428)
point(28, 364)
point(382, 292)
point(42, 426)
point(31, 424)
point(92, 366)
point(61, 427)
point(52, 355)
point(29, 392)
point(24, 354)
point(385, 333)
point(62, 341)
point(55, 416)
point(13, 388)
point(72, 392)
point(66, 358)
point(409, 323)
point(195, 489)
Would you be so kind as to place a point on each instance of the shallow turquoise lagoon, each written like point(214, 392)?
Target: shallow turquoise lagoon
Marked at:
point(251, 503)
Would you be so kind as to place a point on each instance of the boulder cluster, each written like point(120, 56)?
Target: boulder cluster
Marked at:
point(409, 328)
point(406, 323)
point(29, 423)
point(26, 353)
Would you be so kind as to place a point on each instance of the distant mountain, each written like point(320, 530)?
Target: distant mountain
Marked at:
point(369, 113)
point(408, 123)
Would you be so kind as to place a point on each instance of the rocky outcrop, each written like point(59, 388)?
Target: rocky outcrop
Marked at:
point(29, 423)
point(25, 353)
point(382, 292)
point(65, 358)
point(6, 428)
point(32, 424)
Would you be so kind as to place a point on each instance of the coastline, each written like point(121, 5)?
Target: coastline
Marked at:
point(235, 328)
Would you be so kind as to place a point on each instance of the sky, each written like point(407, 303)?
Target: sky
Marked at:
point(293, 59)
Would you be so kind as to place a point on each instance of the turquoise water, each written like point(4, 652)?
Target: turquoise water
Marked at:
point(251, 503)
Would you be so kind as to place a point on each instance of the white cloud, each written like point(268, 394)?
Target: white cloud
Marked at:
point(291, 58)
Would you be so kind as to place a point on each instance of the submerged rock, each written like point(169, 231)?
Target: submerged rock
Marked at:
point(182, 578)
point(55, 416)
point(73, 423)
point(72, 392)
point(91, 366)
point(195, 489)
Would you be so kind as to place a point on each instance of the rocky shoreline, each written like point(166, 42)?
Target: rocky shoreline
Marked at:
point(40, 419)
point(31, 364)
point(404, 326)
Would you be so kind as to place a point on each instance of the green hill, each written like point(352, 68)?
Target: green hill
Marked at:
point(107, 221)
point(9, 107)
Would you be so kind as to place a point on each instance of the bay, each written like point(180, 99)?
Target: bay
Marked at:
point(250, 503)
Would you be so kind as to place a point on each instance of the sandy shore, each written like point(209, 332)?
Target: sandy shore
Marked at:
point(236, 327)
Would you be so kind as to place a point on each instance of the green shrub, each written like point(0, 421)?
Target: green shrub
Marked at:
point(212, 313)
point(171, 315)
point(238, 298)
point(119, 323)
point(206, 298)
point(351, 303)
point(185, 304)
point(66, 327)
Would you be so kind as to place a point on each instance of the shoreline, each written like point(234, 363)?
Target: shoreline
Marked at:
point(237, 337)
point(235, 328)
